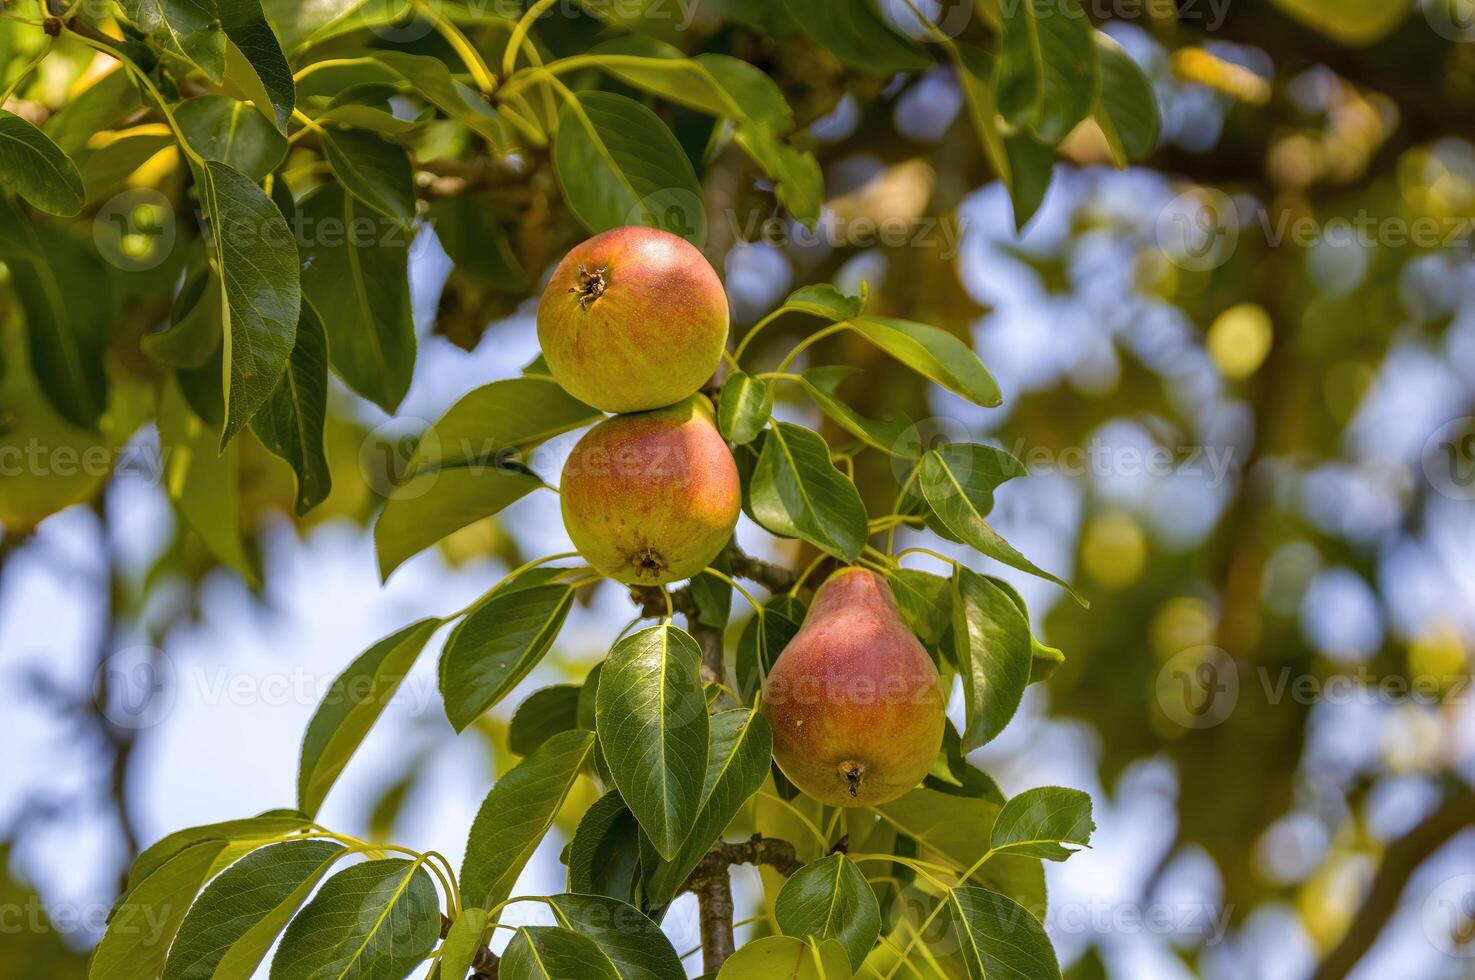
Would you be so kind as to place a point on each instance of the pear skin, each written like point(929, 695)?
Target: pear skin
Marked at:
point(854, 700)
point(653, 497)
point(633, 319)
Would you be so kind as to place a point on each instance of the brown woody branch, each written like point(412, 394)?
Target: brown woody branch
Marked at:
point(712, 886)
point(1399, 863)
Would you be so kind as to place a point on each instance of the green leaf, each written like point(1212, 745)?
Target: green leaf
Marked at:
point(239, 836)
point(855, 33)
point(716, 84)
point(932, 353)
point(290, 424)
point(495, 647)
point(785, 957)
point(947, 493)
point(355, 270)
point(743, 408)
point(634, 945)
point(193, 335)
point(490, 421)
point(823, 299)
point(1126, 110)
point(551, 953)
point(738, 758)
point(713, 595)
point(653, 727)
point(1000, 938)
point(1022, 162)
point(955, 830)
point(376, 919)
point(144, 923)
point(831, 899)
point(604, 856)
point(237, 918)
point(231, 132)
point(543, 714)
point(798, 180)
point(373, 170)
point(37, 169)
point(797, 492)
point(1048, 76)
point(66, 327)
point(432, 81)
point(1046, 660)
point(353, 703)
point(458, 952)
point(517, 813)
point(619, 165)
point(262, 297)
point(896, 436)
point(763, 639)
point(201, 481)
point(433, 504)
point(254, 60)
point(991, 647)
point(187, 28)
point(925, 601)
point(1041, 822)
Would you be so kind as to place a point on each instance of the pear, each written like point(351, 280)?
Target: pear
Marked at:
point(854, 700)
point(652, 497)
point(633, 319)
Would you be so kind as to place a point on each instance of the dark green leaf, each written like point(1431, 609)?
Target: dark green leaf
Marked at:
point(144, 922)
point(653, 726)
point(797, 492)
point(99, 106)
point(992, 651)
point(743, 408)
point(187, 28)
point(376, 919)
point(194, 332)
point(738, 759)
point(1041, 822)
point(618, 165)
point(543, 714)
point(490, 421)
point(763, 639)
point(831, 899)
point(1127, 110)
point(262, 298)
point(1022, 162)
point(798, 180)
point(932, 353)
point(290, 424)
point(433, 504)
point(634, 945)
point(1047, 660)
point(551, 953)
point(947, 493)
point(254, 60)
point(517, 813)
point(496, 645)
point(66, 326)
point(237, 918)
point(1047, 73)
point(231, 132)
point(855, 33)
point(896, 436)
point(355, 270)
point(373, 170)
point(713, 595)
point(604, 856)
point(1000, 938)
point(925, 601)
point(353, 703)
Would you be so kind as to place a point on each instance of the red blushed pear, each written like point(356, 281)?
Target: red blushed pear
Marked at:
point(652, 497)
point(633, 319)
point(854, 700)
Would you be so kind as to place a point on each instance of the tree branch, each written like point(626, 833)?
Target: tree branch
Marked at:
point(1403, 857)
point(774, 578)
point(712, 886)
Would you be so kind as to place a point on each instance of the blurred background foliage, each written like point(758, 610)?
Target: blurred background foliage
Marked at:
point(1250, 435)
